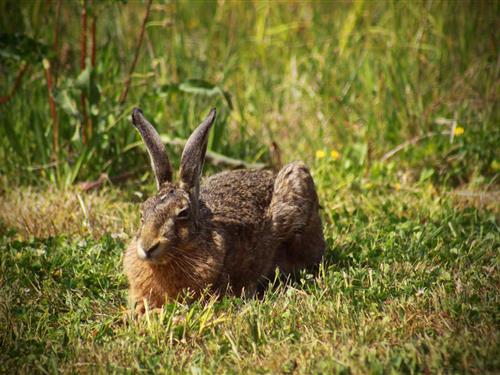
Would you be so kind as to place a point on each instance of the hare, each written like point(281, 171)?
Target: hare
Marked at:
point(226, 234)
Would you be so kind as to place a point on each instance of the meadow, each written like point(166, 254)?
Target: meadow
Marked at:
point(393, 105)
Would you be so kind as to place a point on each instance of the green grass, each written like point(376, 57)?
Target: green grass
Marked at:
point(410, 280)
point(410, 283)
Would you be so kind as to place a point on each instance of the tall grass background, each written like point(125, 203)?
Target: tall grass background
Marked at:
point(359, 78)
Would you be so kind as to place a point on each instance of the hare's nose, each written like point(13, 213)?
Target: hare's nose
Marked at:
point(145, 251)
point(151, 249)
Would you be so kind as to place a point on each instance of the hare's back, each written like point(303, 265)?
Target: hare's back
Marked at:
point(239, 195)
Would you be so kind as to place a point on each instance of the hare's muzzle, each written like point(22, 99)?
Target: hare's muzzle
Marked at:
point(147, 252)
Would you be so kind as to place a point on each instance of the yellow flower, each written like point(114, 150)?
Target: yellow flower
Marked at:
point(495, 165)
point(335, 155)
point(397, 186)
point(458, 131)
point(320, 154)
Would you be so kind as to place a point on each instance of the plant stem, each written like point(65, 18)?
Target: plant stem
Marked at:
point(217, 159)
point(83, 57)
point(92, 35)
point(53, 112)
point(92, 58)
point(5, 98)
point(56, 36)
point(410, 142)
point(124, 94)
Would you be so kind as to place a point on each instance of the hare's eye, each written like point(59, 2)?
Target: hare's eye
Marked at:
point(183, 214)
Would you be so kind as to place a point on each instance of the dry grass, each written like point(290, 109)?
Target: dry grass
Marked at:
point(483, 200)
point(52, 212)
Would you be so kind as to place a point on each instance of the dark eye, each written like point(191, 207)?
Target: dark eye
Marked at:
point(183, 214)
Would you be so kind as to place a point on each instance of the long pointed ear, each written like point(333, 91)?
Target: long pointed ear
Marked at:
point(193, 156)
point(156, 149)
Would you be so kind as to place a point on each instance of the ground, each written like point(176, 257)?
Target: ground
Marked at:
point(410, 283)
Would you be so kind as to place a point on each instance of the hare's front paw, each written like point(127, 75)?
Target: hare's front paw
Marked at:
point(141, 310)
point(143, 306)
point(158, 312)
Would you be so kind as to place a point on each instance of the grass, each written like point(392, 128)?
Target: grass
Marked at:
point(51, 212)
point(410, 282)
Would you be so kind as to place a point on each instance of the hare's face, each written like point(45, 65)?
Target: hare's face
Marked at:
point(168, 219)
point(166, 225)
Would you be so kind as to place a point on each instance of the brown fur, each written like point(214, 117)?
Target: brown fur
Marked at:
point(229, 237)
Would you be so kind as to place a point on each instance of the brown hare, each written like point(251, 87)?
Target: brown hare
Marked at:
point(226, 234)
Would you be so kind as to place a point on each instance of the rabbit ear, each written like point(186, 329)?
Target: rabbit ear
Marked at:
point(156, 149)
point(193, 156)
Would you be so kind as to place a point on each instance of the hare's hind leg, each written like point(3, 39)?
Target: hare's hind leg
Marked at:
point(296, 221)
